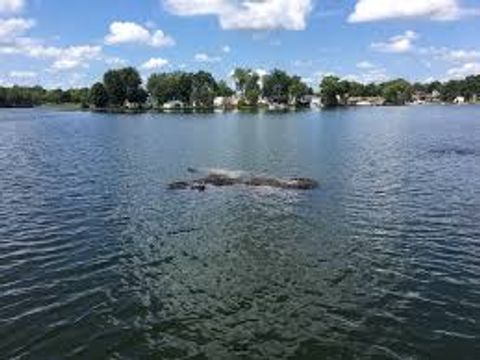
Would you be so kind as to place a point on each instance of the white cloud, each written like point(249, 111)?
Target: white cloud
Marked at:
point(397, 44)
point(365, 65)
point(375, 75)
point(76, 56)
point(368, 73)
point(197, 7)
point(248, 14)
point(154, 63)
point(462, 55)
point(14, 42)
point(130, 32)
point(115, 61)
point(64, 58)
point(452, 55)
point(22, 74)
point(205, 58)
point(374, 10)
point(11, 29)
point(11, 6)
point(465, 70)
point(302, 63)
point(226, 49)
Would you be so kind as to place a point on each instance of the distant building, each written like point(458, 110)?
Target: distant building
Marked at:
point(225, 102)
point(436, 96)
point(459, 100)
point(264, 102)
point(315, 101)
point(366, 101)
point(131, 105)
point(151, 102)
point(422, 97)
point(173, 105)
point(219, 102)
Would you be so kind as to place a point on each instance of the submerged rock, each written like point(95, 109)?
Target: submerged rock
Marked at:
point(222, 180)
point(179, 185)
point(219, 180)
point(199, 187)
point(263, 181)
point(302, 184)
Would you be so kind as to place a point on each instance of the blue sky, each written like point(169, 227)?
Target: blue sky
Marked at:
point(58, 43)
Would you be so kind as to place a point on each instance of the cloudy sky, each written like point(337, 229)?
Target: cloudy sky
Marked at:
point(59, 43)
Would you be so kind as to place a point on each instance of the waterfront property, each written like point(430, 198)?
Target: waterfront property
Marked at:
point(275, 90)
point(366, 101)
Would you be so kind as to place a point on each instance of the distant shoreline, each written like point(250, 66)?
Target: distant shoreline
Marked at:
point(78, 107)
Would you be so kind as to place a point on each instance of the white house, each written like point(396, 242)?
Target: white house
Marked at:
point(459, 100)
point(315, 102)
point(172, 105)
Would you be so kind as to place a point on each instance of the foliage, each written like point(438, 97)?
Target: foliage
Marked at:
point(199, 89)
point(223, 89)
point(98, 96)
point(276, 86)
point(331, 90)
point(397, 92)
point(242, 78)
point(124, 85)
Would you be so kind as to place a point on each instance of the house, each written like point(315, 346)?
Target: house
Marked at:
point(366, 101)
point(219, 102)
point(263, 101)
point(277, 107)
point(151, 102)
point(225, 102)
point(173, 105)
point(131, 105)
point(436, 96)
point(314, 101)
point(459, 100)
point(422, 97)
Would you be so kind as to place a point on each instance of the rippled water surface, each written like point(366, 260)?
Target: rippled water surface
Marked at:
point(98, 260)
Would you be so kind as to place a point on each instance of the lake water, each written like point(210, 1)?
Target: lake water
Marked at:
point(98, 260)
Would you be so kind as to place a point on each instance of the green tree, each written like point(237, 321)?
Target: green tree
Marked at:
point(115, 87)
point(241, 78)
point(99, 96)
point(397, 92)
point(3, 97)
point(131, 81)
point(223, 89)
point(276, 86)
point(330, 90)
point(203, 90)
point(298, 89)
point(252, 89)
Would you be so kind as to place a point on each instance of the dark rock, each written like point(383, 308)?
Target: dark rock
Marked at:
point(179, 185)
point(262, 181)
point(301, 184)
point(198, 187)
point(219, 180)
point(192, 170)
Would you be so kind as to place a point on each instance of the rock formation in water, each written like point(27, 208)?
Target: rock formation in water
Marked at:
point(223, 180)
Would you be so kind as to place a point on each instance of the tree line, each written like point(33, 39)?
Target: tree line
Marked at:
point(397, 92)
point(124, 87)
point(197, 89)
point(20, 96)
